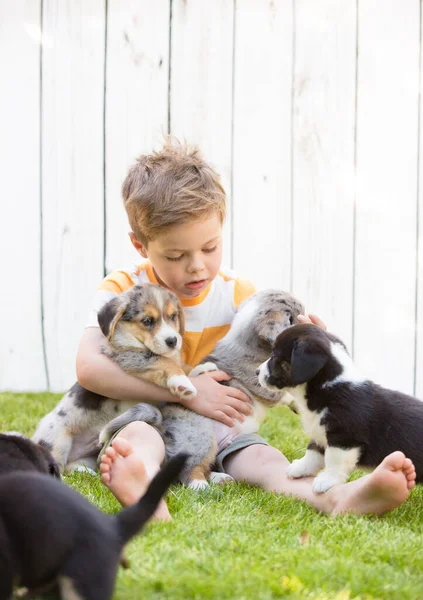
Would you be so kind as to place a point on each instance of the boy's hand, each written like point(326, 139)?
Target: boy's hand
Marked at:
point(313, 320)
point(219, 402)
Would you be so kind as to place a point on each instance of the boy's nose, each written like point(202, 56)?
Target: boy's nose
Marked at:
point(196, 265)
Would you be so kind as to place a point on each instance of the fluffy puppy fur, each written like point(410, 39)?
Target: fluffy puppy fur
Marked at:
point(55, 539)
point(143, 328)
point(257, 322)
point(18, 453)
point(351, 420)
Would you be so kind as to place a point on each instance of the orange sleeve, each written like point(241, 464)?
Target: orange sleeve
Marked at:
point(117, 282)
point(242, 290)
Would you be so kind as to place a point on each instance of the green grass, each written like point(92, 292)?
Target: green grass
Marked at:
point(237, 542)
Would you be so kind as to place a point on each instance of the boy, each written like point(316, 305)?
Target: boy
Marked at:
point(176, 208)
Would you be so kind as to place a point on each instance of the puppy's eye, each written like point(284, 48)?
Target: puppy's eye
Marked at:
point(173, 316)
point(148, 321)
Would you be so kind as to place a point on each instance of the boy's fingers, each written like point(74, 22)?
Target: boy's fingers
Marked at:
point(318, 321)
point(240, 406)
point(239, 394)
point(220, 416)
point(232, 413)
point(303, 319)
point(219, 375)
point(313, 320)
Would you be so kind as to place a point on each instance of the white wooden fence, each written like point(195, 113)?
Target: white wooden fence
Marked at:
point(309, 109)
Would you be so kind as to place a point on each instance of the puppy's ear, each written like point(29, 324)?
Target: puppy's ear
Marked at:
point(181, 318)
point(306, 362)
point(54, 470)
point(109, 315)
point(270, 329)
point(53, 467)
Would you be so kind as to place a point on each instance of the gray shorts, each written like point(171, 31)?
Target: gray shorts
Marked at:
point(240, 442)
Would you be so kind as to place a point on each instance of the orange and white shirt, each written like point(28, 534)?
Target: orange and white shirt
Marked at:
point(208, 316)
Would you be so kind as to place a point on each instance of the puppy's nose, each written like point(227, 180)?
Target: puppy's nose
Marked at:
point(171, 341)
point(257, 371)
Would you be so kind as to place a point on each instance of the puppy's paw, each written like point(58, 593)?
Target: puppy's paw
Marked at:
point(204, 368)
point(220, 478)
point(198, 484)
point(326, 480)
point(300, 468)
point(83, 469)
point(286, 399)
point(181, 386)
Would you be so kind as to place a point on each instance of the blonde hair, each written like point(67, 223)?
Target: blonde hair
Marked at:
point(171, 187)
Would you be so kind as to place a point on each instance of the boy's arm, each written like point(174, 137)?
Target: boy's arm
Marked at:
point(98, 373)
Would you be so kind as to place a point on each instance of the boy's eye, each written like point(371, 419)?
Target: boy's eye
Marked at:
point(148, 321)
point(174, 257)
point(173, 316)
point(207, 250)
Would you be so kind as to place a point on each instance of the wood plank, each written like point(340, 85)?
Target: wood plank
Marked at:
point(21, 345)
point(262, 142)
point(201, 86)
point(72, 176)
point(323, 160)
point(387, 126)
point(418, 370)
point(136, 105)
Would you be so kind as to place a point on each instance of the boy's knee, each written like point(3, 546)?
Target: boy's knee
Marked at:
point(138, 430)
point(265, 456)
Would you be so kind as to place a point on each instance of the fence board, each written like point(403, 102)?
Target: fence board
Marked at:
point(419, 230)
point(21, 345)
point(323, 160)
point(387, 125)
point(136, 105)
point(201, 85)
point(262, 142)
point(72, 178)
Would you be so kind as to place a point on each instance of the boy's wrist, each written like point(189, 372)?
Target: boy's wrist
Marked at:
point(187, 402)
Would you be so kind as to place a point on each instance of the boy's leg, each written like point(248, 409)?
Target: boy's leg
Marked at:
point(384, 489)
point(128, 466)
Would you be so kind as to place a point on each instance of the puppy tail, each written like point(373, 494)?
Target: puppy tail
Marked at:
point(131, 520)
point(140, 412)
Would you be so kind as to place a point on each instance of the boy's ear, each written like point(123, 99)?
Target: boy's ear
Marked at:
point(109, 315)
point(139, 247)
point(306, 361)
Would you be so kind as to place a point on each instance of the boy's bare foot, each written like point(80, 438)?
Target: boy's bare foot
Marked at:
point(124, 473)
point(384, 489)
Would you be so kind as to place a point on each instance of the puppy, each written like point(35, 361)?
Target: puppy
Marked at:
point(18, 453)
point(351, 420)
point(54, 538)
point(143, 328)
point(257, 323)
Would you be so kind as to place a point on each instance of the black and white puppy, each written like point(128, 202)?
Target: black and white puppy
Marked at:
point(350, 420)
point(52, 538)
point(18, 453)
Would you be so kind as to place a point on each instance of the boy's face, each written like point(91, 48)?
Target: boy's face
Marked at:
point(187, 257)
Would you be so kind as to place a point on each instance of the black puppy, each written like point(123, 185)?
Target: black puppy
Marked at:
point(18, 453)
point(350, 420)
point(50, 536)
